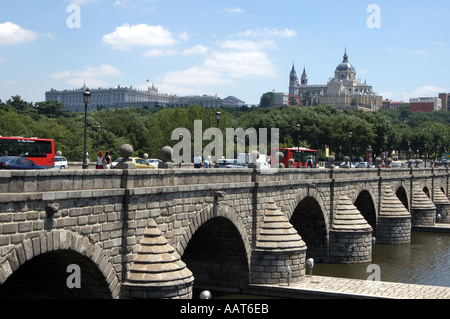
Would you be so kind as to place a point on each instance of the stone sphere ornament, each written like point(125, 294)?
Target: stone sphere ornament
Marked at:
point(166, 158)
point(126, 150)
point(166, 153)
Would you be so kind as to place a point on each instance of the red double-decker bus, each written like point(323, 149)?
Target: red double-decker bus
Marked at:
point(300, 156)
point(40, 151)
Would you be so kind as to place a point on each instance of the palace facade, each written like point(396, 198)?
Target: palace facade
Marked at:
point(123, 97)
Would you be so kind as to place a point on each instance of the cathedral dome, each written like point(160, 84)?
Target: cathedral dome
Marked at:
point(345, 65)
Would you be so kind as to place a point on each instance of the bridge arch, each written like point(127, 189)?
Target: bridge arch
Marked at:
point(309, 218)
point(402, 195)
point(216, 248)
point(427, 192)
point(300, 196)
point(365, 202)
point(49, 255)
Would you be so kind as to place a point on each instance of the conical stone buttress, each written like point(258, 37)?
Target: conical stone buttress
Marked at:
point(423, 211)
point(394, 220)
point(280, 252)
point(158, 271)
point(350, 235)
point(442, 206)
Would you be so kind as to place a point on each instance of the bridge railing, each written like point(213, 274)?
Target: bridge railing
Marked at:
point(70, 180)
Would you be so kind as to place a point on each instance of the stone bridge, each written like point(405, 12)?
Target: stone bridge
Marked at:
point(127, 233)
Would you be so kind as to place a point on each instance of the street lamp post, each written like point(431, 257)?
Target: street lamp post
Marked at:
point(350, 135)
point(218, 116)
point(86, 98)
point(299, 127)
point(409, 150)
point(98, 138)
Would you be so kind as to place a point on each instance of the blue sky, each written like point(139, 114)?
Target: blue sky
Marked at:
point(238, 48)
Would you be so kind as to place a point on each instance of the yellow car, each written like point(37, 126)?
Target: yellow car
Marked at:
point(138, 162)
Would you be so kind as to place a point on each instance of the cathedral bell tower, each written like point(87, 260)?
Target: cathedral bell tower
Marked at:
point(304, 78)
point(293, 82)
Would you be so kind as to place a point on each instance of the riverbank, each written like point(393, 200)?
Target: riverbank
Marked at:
point(438, 228)
point(321, 287)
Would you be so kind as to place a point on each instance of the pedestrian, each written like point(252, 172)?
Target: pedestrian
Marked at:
point(107, 160)
point(100, 159)
point(197, 161)
point(207, 162)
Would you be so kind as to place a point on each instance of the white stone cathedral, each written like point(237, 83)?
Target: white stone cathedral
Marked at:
point(341, 91)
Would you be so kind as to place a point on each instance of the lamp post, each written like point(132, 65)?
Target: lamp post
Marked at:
point(218, 116)
point(98, 138)
point(370, 156)
point(409, 150)
point(299, 127)
point(86, 98)
point(386, 147)
point(181, 138)
point(350, 135)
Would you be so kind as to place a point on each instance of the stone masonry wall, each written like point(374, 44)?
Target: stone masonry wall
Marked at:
point(106, 213)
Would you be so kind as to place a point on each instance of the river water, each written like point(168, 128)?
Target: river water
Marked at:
point(425, 261)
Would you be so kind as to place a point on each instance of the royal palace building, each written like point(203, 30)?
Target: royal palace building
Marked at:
point(123, 97)
point(344, 90)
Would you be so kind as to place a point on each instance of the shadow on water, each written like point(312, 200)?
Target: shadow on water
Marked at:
point(425, 261)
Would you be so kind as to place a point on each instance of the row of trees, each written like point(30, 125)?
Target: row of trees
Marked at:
point(149, 130)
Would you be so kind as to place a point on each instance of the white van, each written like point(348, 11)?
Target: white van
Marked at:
point(60, 162)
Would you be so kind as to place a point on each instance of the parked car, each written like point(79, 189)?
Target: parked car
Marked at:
point(60, 162)
point(352, 165)
point(362, 165)
point(138, 162)
point(17, 162)
point(154, 162)
point(230, 163)
point(398, 164)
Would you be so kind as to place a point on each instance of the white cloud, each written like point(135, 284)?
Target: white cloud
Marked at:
point(198, 76)
point(286, 33)
point(159, 53)
point(423, 91)
point(388, 95)
point(234, 10)
point(196, 50)
point(11, 34)
point(9, 82)
point(241, 64)
point(127, 36)
point(81, 2)
point(244, 45)
point(418, 52)
point(92, 76)
point(219, 68)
